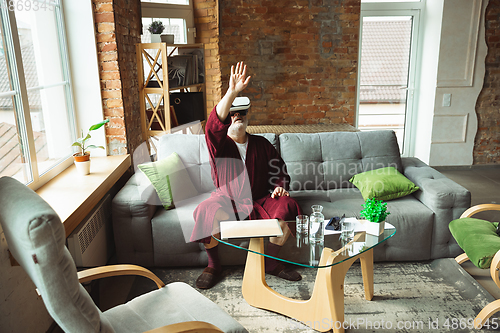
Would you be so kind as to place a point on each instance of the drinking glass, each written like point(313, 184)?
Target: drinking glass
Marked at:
point(302, 222)
point(347, 230)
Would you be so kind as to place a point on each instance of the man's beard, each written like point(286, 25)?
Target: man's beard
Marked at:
point(238, 128)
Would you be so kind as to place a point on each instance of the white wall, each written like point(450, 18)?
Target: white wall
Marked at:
point(452, 62)
point(79, 19)
point(428, 64)
point(460, 75)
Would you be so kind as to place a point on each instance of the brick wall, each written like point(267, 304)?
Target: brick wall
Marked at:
point(487, 142)
point(118, 27)
point(206, 14)
point(302, 56)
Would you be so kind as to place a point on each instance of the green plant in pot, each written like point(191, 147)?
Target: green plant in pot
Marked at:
point(156, 28)
point(375, 212)
point(82, 158)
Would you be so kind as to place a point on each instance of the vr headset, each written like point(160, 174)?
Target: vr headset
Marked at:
point(240, 105)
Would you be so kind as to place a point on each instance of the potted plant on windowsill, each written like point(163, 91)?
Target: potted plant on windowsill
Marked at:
point(82, 158)
point(375, 212)
point(156, 28)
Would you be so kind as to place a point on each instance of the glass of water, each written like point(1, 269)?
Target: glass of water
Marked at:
point(347, 230)
point(302, 222)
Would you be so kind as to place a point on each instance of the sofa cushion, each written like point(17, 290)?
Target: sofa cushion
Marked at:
point(271, 137)
point(325, 161)
point(176, 225)
point(477, 238)
point(170, 180)
point(413, 220)
point(383, 184)
point(194, 155)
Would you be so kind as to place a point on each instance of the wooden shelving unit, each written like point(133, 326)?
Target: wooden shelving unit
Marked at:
point(152, 70)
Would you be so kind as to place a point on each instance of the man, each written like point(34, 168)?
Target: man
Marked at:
point(244, 171)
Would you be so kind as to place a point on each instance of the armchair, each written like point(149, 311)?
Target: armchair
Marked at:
point(36, 239)
point(481, 244)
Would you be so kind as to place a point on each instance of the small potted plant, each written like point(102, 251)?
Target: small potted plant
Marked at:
point(156, 28)
point(82, 158)
point(375, 212)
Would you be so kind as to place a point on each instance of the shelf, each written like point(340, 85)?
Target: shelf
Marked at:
point(153, 90)
point(152, 69)
point(181, 46)
point(73, 196)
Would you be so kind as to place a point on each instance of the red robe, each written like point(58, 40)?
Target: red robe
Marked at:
point(242, 190)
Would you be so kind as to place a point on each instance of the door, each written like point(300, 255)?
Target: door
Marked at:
point(387, 72)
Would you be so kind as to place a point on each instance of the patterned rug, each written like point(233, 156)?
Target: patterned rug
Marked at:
point(434, 296)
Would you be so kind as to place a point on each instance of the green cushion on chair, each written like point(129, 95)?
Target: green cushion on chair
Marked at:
point(477, 238)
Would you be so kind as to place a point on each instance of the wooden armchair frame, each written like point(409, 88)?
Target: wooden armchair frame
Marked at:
point(494, 306)
point(119, 270)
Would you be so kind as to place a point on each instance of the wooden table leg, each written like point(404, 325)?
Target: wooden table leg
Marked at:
point(366, 260)
point(325, 309)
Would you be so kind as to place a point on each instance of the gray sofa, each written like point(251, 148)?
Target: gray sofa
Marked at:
point(320, 166)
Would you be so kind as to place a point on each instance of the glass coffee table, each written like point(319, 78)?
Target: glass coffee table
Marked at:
point(325, 309)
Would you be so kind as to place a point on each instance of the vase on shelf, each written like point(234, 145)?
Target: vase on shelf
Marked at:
point(155, 38)
point(374, 228)
point(82, 163)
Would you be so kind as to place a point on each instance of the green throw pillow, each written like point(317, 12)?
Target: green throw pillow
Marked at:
point(383, 184)
point(477, 238)
point(170, 180)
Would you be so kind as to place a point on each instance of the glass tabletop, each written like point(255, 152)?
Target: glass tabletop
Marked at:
point(300, 251)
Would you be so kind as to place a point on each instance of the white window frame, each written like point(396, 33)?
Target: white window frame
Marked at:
point(159, 10)
point(414, 9)
point(20, 94)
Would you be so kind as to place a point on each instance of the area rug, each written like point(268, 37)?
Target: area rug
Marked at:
point(434, 296)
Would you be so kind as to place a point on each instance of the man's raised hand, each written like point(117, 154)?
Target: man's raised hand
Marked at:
point(238, 80)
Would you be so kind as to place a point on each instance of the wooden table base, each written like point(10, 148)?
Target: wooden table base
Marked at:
point(325, 309)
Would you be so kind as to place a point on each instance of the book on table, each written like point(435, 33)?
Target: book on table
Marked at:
point(250, 228)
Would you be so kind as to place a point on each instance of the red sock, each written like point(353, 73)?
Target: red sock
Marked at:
point(213, 257)
point(272, 250)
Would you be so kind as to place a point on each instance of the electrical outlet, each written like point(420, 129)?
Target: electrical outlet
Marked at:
point(446, 99)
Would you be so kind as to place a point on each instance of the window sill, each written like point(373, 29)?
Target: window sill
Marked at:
point(73, 196)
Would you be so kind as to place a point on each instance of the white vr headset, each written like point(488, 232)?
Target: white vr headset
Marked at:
point(240, 103)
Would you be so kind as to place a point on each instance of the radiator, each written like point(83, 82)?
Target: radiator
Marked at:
point(90, 243)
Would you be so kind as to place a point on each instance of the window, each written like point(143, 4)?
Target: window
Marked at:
point(36, 105)
point(177, 17)
point(173, 26)
point(387, 71)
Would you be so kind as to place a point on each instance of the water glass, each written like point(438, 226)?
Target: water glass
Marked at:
point(347, 230)
point(302, 222)
point(302, 240)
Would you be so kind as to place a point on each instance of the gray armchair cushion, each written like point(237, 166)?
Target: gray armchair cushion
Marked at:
point(36, 239)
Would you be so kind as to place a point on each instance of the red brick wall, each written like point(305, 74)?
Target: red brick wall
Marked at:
point(206, 14)
point(302, 57)
point(487, 142)
point(118, 24)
